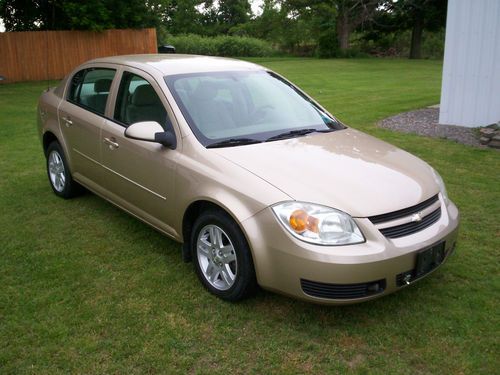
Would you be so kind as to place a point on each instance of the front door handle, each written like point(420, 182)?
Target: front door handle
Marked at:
point(67, 121)
point(111, 143)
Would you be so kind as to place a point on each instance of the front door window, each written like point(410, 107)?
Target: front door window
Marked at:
point(137, 101)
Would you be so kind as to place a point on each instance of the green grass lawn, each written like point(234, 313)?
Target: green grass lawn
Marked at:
point(86, 288)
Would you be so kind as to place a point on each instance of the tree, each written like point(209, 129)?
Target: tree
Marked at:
point(19, 15)
point(414, 15)
point(279, 24)
point(181, 16)
point(350, 15)
point(232, 13)
point(22, 15)
point(422, 14)
point(268, 25)
point(342, 15)
point(317, 20)
point(220, 17)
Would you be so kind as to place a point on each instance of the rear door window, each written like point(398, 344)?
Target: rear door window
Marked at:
point(89, 88)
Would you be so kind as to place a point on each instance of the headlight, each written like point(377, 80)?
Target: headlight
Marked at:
point(440, 183)
point(318, 224)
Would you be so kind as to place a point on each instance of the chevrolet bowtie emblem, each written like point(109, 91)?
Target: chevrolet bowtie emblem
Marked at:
point(415, 218)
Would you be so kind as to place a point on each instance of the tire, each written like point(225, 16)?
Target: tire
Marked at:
point(226, 271)
point(60, 179)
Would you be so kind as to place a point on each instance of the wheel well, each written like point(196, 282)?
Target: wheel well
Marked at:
point(48, 138)
point(192, 212)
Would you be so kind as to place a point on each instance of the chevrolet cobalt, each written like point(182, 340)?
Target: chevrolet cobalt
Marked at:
point(259, 182)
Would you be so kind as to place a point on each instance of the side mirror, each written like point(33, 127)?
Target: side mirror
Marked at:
point(151, 131)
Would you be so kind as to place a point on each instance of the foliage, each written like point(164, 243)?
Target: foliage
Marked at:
point(232, 13)
point(323, 28)
point(335, 19)
point(19, 15)
point(419, 16)
point(22, 15)
point(433, 44)
point(180, 16)
point(89, 289)
point(397, 44)
point(184, 16)
point(223, 45)
point(433, 13)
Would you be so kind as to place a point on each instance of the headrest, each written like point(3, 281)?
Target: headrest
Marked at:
point(102, 85)
point(144, 95)
point(205, 91)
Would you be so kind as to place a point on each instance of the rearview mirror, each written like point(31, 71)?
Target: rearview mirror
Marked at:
point(151, 131)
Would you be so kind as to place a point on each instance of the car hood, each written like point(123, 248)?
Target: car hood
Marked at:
point(346, 169)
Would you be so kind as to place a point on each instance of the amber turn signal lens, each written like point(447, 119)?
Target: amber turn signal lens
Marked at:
point(300, 221)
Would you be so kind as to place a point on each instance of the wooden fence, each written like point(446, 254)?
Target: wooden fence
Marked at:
point(40, 55)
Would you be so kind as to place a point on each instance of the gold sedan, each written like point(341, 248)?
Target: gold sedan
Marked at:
point(258, 181)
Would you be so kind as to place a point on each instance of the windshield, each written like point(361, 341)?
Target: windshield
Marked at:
point(255, 106)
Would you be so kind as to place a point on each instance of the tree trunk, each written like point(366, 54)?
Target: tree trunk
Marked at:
point(416, 36)
point(343, 31)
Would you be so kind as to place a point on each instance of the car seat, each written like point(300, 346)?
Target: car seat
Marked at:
point(97, 101)
point(145, 106)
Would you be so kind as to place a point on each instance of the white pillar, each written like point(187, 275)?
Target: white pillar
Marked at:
point(470, 92)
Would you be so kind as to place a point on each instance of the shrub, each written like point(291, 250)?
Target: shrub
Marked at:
point(433, 45)
point(397, 44)
point(224, 45)
point(327, 44)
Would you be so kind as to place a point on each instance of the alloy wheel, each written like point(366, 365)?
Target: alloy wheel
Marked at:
point(216, 257)
point(57, 172)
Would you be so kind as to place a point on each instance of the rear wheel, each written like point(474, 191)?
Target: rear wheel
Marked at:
point(60, 178)
point(222, 257)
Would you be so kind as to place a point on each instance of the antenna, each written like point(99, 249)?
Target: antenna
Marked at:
point(47, 45)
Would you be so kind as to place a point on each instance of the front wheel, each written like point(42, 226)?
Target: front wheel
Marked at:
point(222, 258)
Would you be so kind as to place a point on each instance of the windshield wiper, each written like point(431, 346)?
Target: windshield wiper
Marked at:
point(296, 133)
point(234, 142)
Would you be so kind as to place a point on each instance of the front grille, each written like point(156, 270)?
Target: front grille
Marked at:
point(342, 291)
point(377, 219)
point(412, 227)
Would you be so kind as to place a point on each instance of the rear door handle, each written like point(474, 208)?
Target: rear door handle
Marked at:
point(111, 143)
point(67, 121)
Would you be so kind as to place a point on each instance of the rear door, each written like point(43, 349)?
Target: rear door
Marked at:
point(81, 117)
point(139, 174)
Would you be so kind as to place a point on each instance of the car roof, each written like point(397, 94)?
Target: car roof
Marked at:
point(169, 64)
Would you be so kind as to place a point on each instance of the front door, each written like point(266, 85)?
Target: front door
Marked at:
point(139, 174)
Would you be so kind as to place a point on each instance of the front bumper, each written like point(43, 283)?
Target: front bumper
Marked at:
point(282, 262)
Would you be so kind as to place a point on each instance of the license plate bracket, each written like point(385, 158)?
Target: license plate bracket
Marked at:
point(429, 259)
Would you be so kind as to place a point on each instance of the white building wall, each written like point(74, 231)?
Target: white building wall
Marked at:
point(470, 92)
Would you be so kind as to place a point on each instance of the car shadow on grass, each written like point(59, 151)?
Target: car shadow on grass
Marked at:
point(274, 308)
